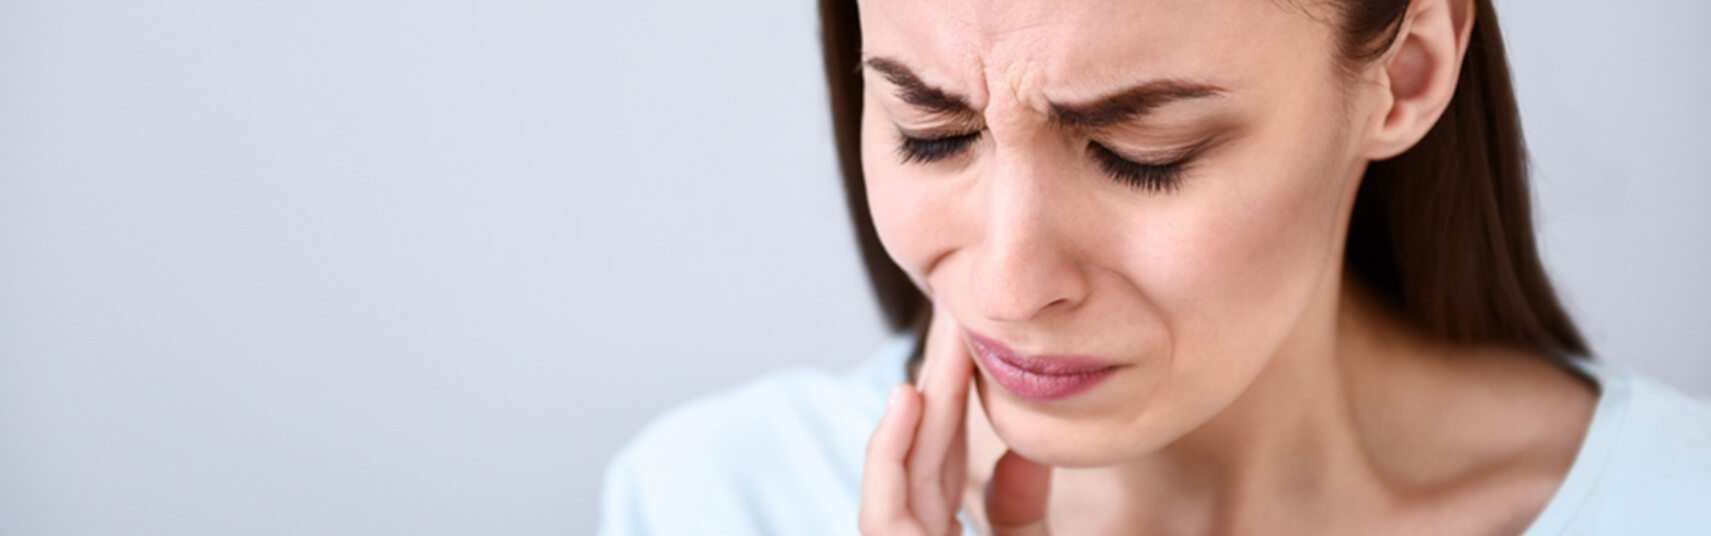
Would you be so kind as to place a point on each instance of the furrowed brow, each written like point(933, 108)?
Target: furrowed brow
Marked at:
point(918, 93)
point(1129, 104)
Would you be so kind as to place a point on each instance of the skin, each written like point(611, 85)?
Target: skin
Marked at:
point(1260, 391)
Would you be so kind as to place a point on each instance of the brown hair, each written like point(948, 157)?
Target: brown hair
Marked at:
point(1443, 232)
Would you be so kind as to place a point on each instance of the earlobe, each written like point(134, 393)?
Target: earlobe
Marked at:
point(1419, 74)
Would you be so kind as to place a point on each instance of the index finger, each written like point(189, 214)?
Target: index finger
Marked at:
point(934, 485)
point(946, 363)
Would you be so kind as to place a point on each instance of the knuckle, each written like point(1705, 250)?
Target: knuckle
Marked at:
point(923, 483)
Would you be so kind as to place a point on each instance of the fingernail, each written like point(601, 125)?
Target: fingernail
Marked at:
point(896, 395)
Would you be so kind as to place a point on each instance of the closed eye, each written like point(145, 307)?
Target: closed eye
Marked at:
point(1145, 176)
point(1150, 177)
point(929, 150)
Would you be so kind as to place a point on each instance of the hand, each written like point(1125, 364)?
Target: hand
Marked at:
point(917, 458)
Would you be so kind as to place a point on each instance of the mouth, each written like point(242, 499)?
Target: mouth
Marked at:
point(1038, 377)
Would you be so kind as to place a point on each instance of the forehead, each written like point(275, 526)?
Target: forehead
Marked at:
point(1078, 49)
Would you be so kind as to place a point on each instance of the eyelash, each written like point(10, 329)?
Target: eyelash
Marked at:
point(929, 150)
point(1144, 176)
point(1149, 177)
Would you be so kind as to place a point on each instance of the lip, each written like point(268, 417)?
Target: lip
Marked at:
point(1038, 377)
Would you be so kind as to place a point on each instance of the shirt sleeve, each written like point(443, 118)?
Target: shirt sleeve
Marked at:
point(672, 479)
point(622, 506)
point(778, 455)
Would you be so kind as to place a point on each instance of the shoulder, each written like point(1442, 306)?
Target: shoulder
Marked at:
point(1660, 459)
point(778, 454)
point(1645, 466)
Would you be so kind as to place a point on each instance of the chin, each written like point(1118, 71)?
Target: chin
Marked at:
point(1063, 454)
point(1072, 442)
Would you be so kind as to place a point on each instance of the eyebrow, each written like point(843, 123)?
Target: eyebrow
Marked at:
point(1116, 108)
point(918, 93)
point(1129, 104)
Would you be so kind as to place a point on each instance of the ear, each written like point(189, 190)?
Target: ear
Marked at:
point(1418, 74)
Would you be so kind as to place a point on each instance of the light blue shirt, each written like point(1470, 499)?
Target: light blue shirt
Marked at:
point(783, 455)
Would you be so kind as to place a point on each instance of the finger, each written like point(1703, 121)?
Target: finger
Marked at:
point(948, 405)
point(1016, 496)
point(946, 369)
point(884, 482)
point(955, 473)
point(946, 354)
point(945, 378)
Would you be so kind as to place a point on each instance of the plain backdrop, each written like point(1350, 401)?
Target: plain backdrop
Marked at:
point(388, 267)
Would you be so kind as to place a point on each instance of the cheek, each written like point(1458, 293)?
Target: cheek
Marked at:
point(1237, 268)
point(1245, 256)
point(913, 211)
point(896, 212)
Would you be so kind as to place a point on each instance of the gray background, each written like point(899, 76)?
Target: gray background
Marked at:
point(388, 267)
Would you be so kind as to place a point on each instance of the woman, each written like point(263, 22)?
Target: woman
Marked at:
point(1210, 267)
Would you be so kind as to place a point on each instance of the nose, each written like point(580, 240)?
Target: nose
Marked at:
point(1027, 266)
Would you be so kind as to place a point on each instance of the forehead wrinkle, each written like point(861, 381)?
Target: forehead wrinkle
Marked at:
point(1011, 70)
point(1016, 96)
point(976, 49)
point(1030, 54)
point(1022, 43)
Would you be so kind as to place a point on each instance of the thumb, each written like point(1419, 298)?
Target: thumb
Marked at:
point(1016, 496)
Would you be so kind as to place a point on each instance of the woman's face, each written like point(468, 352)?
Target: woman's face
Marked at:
point(1162, 185)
